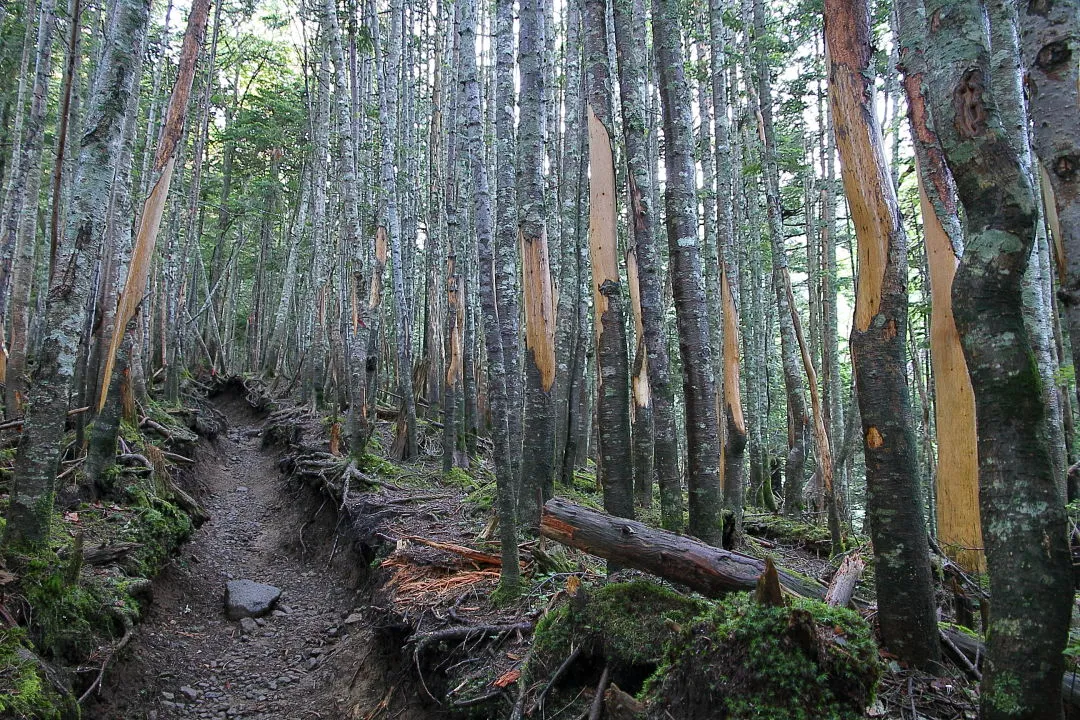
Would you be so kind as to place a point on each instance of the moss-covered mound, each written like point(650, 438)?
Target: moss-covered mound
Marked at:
point(746, 661)
point(23, 691)
point(623, 626)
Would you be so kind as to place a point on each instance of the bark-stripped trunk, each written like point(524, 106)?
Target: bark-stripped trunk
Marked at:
point(878, 345)
point(957, 478)
point(735, 435)
point(538, 444)
point(30, 511)
point(509, 574)
point(18, 235)
point(699, 383)
point(616, 468)
point(1023, 518)
point(630, 23)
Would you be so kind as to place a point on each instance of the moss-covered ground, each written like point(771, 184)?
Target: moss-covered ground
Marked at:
point(60, 616)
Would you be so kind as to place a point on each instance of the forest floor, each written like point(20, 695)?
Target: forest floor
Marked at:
point(386, 610)
point(304, 660)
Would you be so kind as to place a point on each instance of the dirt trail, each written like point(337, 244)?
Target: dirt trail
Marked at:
point(304, 661)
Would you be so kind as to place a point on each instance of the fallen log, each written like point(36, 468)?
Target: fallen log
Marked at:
point(709, 570)
point(974, 651)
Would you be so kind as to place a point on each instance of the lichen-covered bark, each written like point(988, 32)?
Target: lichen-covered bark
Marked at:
point(878, 336)
point(509, 578)
point(30, 511)
point(630, 23)
point(1050, 38)
point(687, 283)
point(506, 225)
point(1023, 516)
point(616, 468)
point(538, 436)
point(18, 232)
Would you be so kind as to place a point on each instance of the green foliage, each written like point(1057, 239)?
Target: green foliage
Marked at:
point(23, 692)
point(746, 660)
point(375, 465)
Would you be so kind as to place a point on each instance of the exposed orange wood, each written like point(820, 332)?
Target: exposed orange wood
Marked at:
point(959, 531)
point(732, 396)
point(539, 306)
point(639, 380)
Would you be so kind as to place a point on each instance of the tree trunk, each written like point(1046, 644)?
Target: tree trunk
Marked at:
point(878, 345)
point(616, 467)
point(19, 232)
point(630, 23)
point(509, 574)
point(699, 383)
point(538, 446)
point(1023, 517)
point(30, 511)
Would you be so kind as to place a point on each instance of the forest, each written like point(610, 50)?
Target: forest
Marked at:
point(653, 358)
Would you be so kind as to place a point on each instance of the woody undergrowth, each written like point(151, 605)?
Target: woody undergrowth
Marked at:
point(62, 617)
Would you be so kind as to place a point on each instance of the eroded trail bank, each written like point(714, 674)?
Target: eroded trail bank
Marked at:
point(313, 657)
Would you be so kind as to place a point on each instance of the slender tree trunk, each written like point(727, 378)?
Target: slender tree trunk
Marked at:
point(1023, 518)
point(506, 226)
point(509, 578)
point(19, 232)
point(616, 468)
point(538, 445)
point(30, 511)
point(699, 383)
point(630, 24)
point(878, 344)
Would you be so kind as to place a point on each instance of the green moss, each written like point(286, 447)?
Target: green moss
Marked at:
point(745, 660)
point(23, 692)
point(789, 531)
point(457, 477)
point(623, 625)
point(160, 527)
point(376, 465)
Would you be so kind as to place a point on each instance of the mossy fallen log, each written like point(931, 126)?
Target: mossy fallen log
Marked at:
point(712, 571)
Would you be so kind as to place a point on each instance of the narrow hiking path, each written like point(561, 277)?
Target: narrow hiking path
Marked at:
point(304, 660)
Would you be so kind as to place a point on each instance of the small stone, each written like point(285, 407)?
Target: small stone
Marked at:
point(167, 695)
point(285, 609)
point(260, 622)
point(278, 613)
point(189, 692)
point(353, 619)
point(248, 626)
point(332, 631)
point(312, 663)
point(241, 489)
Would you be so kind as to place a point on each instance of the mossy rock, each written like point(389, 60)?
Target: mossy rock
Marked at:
point(623, 626)
point(747, 661)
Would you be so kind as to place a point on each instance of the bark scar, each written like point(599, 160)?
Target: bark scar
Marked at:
point(971, 115)
point(873, 438)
